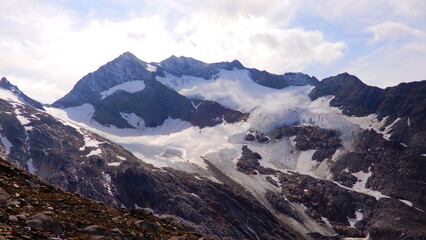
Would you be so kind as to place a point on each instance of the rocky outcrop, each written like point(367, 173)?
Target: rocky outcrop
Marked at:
point(396, 171)
point(326, 142)
point(356, 98)
point(180, 66)
point(249, 161)
point(281, 81)
point(44, 222)
point(249, 164)
point(213, 207)
point(209, 114)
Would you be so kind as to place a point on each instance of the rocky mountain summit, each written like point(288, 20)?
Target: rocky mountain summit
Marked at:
point(226, 151)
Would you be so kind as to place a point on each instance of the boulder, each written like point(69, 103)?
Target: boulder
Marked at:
point(4, 196)
point(44, 222)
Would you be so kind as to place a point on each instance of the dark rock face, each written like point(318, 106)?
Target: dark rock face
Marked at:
point(326, 142)
point(208, 201)
point(209, 114)
point(249, 163)
point(396, 220)
point(350, 92)
point(281, 81)
point(282, 205)
point(4, 83)
point(356, 98)
point(328, 199)
point(396, 170)
point(179, 66)
point(257, 136)
point(34, 209)
point(157, 103)
point(154, 104)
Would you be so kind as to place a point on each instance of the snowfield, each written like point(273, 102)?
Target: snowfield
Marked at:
point(178, 144)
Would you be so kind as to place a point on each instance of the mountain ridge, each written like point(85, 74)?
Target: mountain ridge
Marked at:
point(4, 83)
point(334, 159)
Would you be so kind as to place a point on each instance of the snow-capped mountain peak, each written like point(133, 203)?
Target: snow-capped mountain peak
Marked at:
point(5, 84)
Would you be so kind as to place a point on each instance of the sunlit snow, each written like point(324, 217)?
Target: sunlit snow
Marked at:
point(151, 68)
point(131, 87)
point(358, 217)
point(30, 166)
point(6, 143)
point(94, 152)
point(362, 181)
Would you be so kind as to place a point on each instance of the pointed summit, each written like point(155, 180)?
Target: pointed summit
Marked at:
point(128, 56)
point(125, 68)
point(179, 66)
point(6, 84)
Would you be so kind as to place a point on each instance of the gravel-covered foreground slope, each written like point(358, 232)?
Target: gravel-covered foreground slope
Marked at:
point(32, 209)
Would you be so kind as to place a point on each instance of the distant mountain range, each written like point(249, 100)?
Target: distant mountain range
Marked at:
point(232, 152)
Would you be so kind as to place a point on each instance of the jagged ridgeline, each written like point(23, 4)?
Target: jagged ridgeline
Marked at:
point(226, 151)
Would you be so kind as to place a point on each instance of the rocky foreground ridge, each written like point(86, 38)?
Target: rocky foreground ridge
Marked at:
point(33, 209)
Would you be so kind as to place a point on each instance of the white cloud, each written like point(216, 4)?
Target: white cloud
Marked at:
point(409, 8)
point(49, 46)
point(394, 31)
point(389, 66)
point(400, 60)
point(256, 43)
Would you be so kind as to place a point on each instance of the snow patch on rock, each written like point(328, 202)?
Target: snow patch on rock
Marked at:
point(107, 182)
point(353, 221)
point(30, 166)
point(151, 68)
point(114, 164)
point(94, 152)
point(408, 203)
point(6, 143)
point(362, 181)
point(131, 87)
